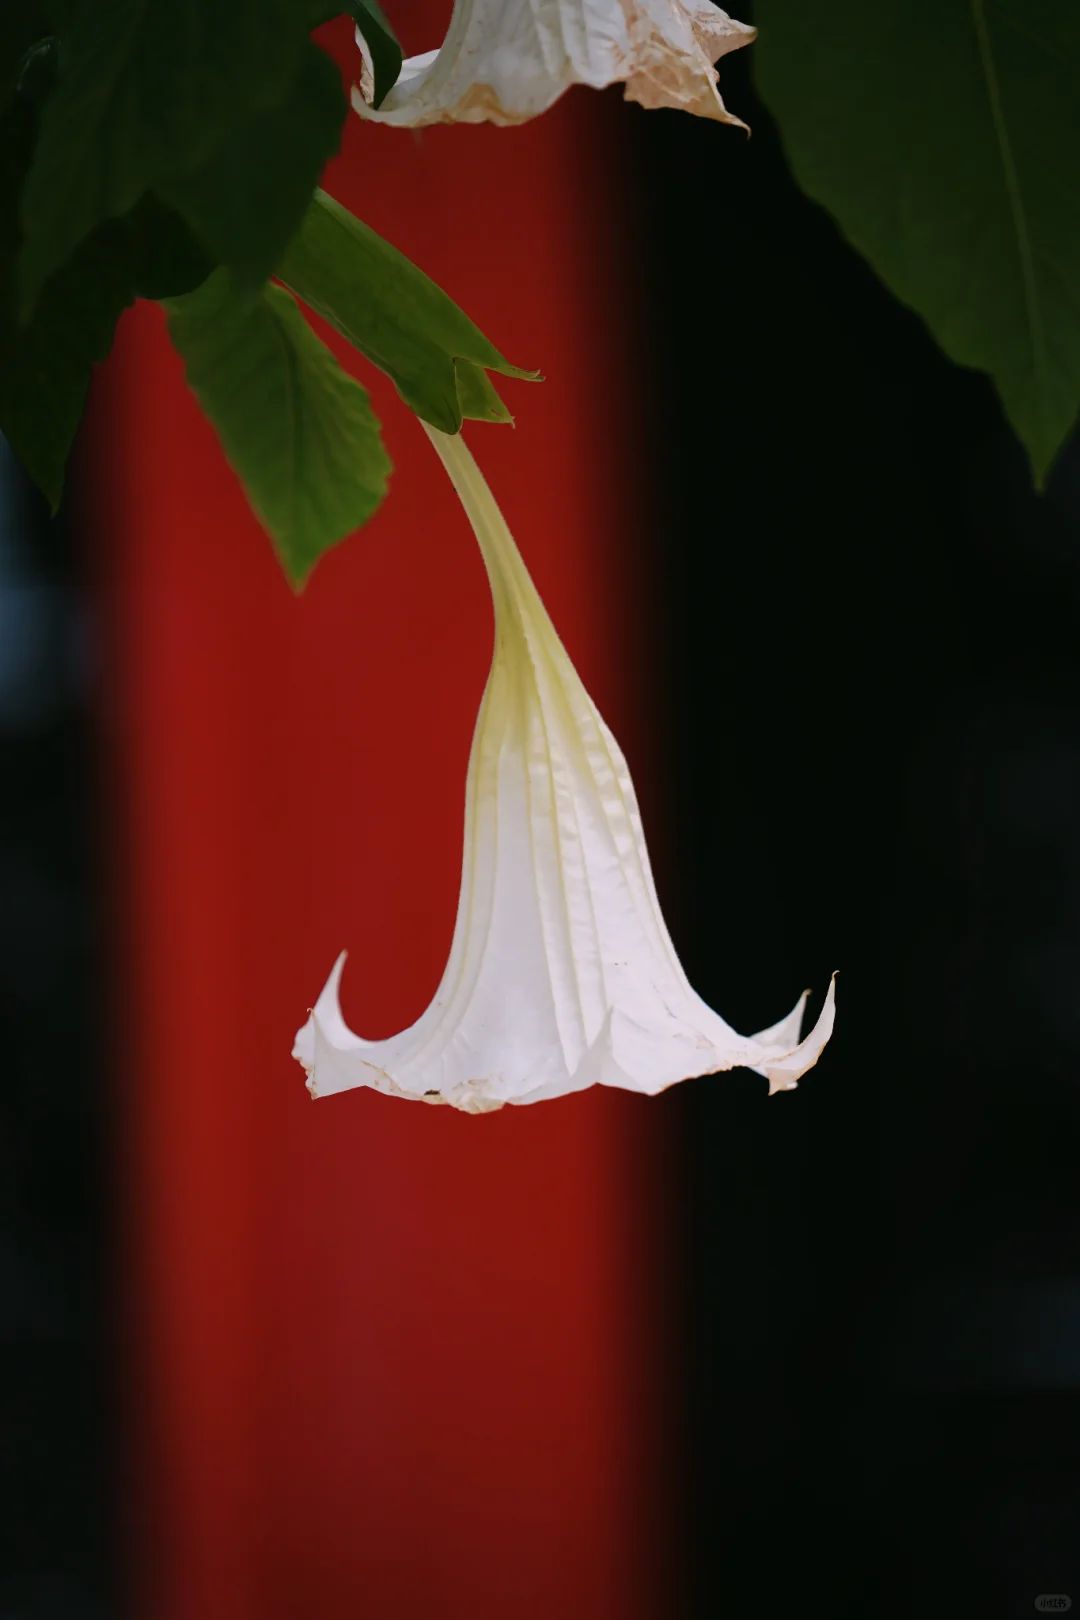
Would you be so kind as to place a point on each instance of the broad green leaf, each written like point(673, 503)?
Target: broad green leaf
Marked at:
point(46, 362)
point(945, 137)
point(145, 90)
point(251, 196)
point(165, 256)
point(298, 430)
point(382, 46)
point(395, 315)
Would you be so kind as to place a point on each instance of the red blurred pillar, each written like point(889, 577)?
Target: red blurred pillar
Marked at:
point(390, 1361)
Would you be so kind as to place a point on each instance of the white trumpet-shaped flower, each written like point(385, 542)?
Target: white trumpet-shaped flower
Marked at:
point(504, 61)
point(561, 972)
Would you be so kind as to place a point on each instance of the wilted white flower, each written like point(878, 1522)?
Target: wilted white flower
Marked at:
point(504, 61)
point(561, 972)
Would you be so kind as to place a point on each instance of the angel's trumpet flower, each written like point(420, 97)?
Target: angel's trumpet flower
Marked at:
point(561, 974)
point(504, 61)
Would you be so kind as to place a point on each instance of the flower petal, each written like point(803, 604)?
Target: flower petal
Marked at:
point(783, 1069)
point(504, 61)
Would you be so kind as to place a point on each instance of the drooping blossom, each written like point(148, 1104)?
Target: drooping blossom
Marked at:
point(561, 972)
point(504, 61)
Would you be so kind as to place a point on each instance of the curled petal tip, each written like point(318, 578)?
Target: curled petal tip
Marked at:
point(781, 1084)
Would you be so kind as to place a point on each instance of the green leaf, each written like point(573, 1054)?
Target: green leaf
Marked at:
point(382, 44)
point(395, 315)
point(251, 196)
point(945, 137)
point(298, 430)
point(166, 258)
point(476, 395)
point(145, 90)
point(46, 362)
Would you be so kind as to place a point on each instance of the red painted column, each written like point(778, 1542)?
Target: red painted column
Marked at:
point(386, 1360)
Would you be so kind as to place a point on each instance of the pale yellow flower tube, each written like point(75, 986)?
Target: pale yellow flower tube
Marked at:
point(561, 973)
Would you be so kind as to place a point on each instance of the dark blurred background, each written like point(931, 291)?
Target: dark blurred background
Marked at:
point(55, 1430)
point(871, 680)
point(874, 662)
